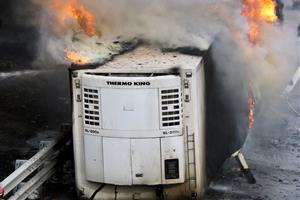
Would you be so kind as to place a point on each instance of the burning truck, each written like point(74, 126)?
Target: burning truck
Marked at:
point(153, 123)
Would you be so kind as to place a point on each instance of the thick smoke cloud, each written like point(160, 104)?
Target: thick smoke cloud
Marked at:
point(175, 23)
point(166, 23)
point(172, 23)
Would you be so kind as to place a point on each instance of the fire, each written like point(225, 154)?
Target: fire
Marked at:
point(76, 57)
point(256, 12)
point(70, 14)
point(71, 10)
point(251, 104)
point(84, 18)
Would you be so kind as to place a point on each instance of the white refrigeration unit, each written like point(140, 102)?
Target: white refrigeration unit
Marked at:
point(139, 126)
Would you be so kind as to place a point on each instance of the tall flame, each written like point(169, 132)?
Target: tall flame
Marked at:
point(84, 18)
point(256, 12)
point(68, 10)
point(251, 106)
point(67, 14)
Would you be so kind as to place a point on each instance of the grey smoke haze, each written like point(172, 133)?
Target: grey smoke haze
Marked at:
point(173, 23)
point(176, 23)
point(167, 23)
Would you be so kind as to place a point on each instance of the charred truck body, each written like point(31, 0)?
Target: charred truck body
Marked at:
point(151, 125)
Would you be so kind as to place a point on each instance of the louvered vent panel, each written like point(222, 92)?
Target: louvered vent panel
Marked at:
point(170, 107)
point(91, 107)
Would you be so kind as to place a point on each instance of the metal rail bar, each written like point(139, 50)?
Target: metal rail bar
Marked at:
point(26, 169)
point(35, 182)
point(46, 155)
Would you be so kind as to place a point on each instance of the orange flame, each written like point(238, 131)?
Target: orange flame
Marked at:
point(84, 18)
point(251, 106)
point(256, 12)
point(72, 10)
point(76, 57)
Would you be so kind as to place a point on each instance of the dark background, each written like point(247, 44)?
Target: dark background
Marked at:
point(34, 99)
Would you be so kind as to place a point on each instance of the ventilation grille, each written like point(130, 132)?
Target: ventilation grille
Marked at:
point(170, 107)
point(91, 107)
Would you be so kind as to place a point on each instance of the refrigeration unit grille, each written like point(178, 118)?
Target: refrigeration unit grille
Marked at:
point(170, 107)
point(91, 107)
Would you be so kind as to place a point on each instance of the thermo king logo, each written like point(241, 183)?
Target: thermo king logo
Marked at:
point(128, 83)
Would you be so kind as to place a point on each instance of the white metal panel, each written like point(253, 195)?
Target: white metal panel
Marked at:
point(146, 162)
point(130, 109)
point(93, 158)
point(198, 89)
point(172, 148)
point(86, 187)
point(117, 161)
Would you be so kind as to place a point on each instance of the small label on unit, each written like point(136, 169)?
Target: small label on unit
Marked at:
point(91, 131)
point(171, 132)
point(128, 83)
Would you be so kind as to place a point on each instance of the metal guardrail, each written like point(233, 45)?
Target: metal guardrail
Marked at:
point(44, 163)
point(35, 182)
